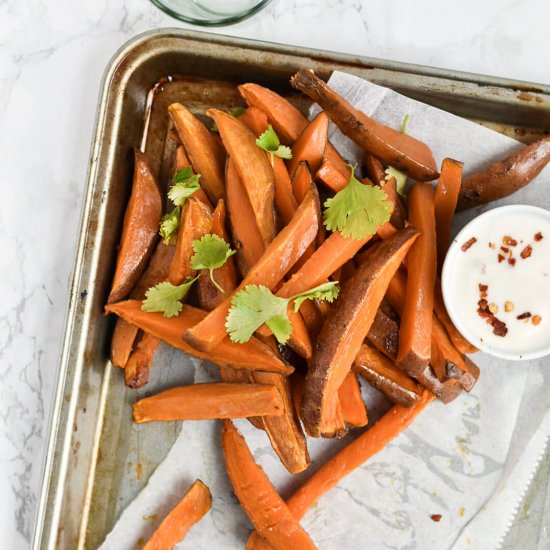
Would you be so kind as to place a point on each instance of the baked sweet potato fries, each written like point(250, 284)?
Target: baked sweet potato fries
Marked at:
point(294, 298)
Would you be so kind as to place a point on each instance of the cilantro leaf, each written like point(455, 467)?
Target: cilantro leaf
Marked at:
point(251, 308)
point(255, 305)
point(327, 291)
point(166, 298)
point(404, 124)
point(184, 185)
point(237, 111)
point(211, 252)
point(357, 210)
point(182, 175)
point(169, 226)
point(269, 141)
point(400, 179)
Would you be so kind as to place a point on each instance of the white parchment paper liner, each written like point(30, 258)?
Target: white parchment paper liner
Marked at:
point(469, 461)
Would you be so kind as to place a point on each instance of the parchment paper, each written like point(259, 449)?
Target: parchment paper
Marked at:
point(469, 461)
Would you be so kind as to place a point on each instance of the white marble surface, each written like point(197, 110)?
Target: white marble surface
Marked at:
point(52, 55)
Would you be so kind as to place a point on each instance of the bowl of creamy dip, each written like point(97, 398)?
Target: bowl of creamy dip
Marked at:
point(496, 282)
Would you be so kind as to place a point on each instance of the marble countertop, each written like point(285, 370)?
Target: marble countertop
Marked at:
point(52, 56)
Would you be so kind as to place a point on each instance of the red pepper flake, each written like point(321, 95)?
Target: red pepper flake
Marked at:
point(499, 327)
point(524, 315)
point(508, 241)
point(538, 236)
point(435, 517)
point(468, 244)
point(526, 252)
point(512, 261)
point(487, 311)
point(501, 258)
point(505, 249)
point(492, 245)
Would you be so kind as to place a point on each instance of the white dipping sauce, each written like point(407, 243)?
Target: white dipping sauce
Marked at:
point(525, 285)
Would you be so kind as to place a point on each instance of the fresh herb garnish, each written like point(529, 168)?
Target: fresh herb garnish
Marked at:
point(400, 179)
point(269, 141)
point(167, 298)
point(211, 252)
point(169, 226)
point(357, 210)
point(391, 172)
point(255, 305)
point(404, 124)
point(184, 185)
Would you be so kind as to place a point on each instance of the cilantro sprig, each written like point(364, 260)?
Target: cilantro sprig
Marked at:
point(400, 179)
point(184, 184)
point(269, 141)
point(391, 172)
point(210, 252)
point(169, 226)
point(167, 298)
point(357, 210)
point(255, 305)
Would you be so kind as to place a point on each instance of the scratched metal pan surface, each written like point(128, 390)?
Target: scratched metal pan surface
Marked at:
point(96, 460)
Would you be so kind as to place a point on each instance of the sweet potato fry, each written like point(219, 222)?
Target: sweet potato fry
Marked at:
point(226, 276)
point(194, 505)
point(286, 120)
point(333, 253)
point(285, 204)
point(506, 176)
point(265, 508)
point(374, 168)
point(353, 455)
point(311, 144)
point(414, 348)
point(139, 230)
point(384, 333)
point(351, 402)
point(284, 432)
point(181, 160)
point(447, 362)
point(445, 391)
point(253, 168)
point(383, 375)
point(398, 216)
point(208, 401)
point(205, 153)
point(246, 235)
point(444, 347)
point(277, 259)
point(256, 120)
point(390, 146)
point(347, 326)
point(301, 181)
point(460, 343)
point(332, 176)
point(195, 222)
point(122, 342)
point(445, 199)
point(254, 355)
point(136, 371)
point(125, 334)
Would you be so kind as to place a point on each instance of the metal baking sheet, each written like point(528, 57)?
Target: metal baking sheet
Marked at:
point(96, 461)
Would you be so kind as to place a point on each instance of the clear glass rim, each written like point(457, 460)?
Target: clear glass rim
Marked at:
point(215, 21)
